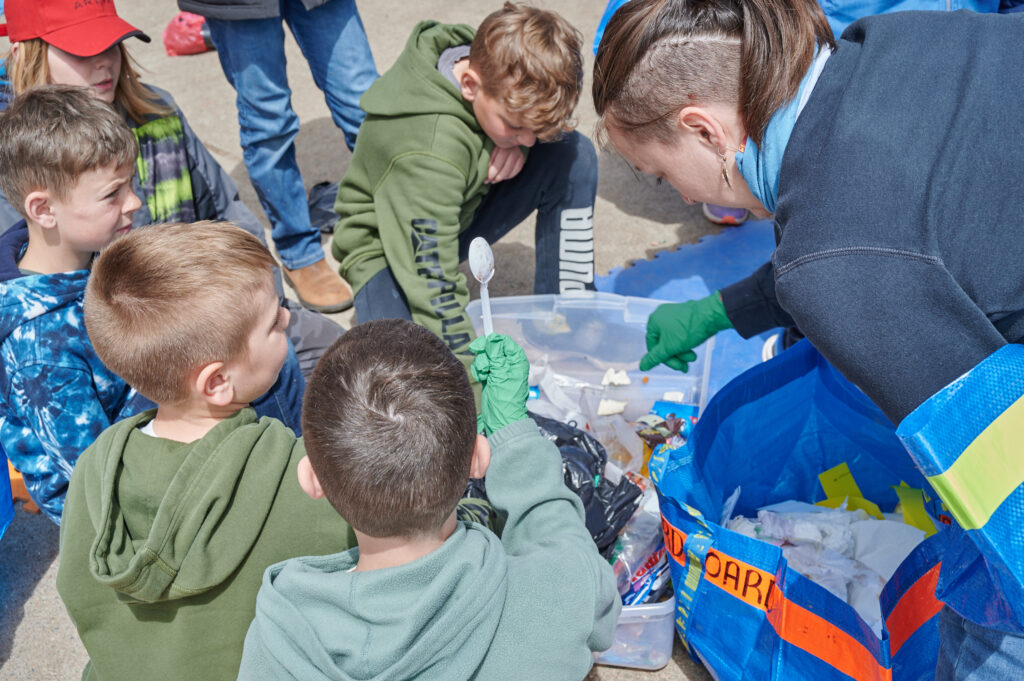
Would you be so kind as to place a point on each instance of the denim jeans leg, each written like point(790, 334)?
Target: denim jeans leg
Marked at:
point(252, 56)
point(968, 652)
point(559, 180)
point(334, 43)
point(284, 399)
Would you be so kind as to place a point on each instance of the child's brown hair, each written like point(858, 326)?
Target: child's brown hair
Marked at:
point(165, 300)
point(530, 61)
point(389, 423)
point(51, 135)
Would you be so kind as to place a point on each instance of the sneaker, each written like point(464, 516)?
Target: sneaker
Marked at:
point(770, 348)
point(721, 215)
point(319, 287)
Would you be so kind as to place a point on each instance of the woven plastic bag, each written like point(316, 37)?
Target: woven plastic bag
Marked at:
point(739, 607)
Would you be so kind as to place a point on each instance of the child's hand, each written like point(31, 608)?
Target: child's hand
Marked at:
point(501, 366)
point(505, 164)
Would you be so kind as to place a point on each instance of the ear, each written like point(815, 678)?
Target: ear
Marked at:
point(308, 481)
point(15, 49)
point(213, 382)
point(470, 84)
point(481, 457)
point(699, 121)
point(39, 209)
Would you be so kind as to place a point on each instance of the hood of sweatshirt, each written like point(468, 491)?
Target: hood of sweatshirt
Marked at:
point(414, 85)
point(158, 541)
point(24, 298)
point(433, 618)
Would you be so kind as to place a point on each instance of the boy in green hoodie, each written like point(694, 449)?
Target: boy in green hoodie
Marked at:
point(172, 515)
point(442, 159)
point(390, 428)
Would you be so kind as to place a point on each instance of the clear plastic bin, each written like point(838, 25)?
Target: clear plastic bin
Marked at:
point(580, 335)
point(643, 638)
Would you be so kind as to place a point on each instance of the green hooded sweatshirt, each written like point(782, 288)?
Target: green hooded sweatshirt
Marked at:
point(533, 605)
point(415, 180)
point(163, 544)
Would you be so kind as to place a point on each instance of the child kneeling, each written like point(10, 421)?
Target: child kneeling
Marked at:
point(390, 428)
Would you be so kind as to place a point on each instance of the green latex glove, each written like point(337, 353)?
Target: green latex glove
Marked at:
point(674, 329)
point(501, 366)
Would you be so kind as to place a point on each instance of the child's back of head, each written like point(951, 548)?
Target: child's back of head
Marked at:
point(51, 135)
point(390, 426)
point(167, 300)
point(529, 60)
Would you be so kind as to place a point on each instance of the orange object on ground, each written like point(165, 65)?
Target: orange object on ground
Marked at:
point(18, 490)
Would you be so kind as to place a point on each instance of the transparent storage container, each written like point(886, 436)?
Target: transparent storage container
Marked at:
point(580, 335)
point(643, 638)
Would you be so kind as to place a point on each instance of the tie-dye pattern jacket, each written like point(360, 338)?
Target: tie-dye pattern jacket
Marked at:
point(57, 396)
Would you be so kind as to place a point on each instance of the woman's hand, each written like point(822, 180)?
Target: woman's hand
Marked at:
point(674, 329)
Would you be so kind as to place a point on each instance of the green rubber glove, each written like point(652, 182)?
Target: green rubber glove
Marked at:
point(501, 366)
point(674, 329)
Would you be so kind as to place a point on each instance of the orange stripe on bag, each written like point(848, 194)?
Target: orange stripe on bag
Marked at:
point(915, 607)
point(745, 582)
point(675, 540)
point(815, 635)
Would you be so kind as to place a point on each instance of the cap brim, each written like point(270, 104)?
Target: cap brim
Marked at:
point(89, 38)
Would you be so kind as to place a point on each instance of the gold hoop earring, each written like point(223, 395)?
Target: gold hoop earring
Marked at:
point(725, 168)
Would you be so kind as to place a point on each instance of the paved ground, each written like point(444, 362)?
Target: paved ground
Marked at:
point(634, 218)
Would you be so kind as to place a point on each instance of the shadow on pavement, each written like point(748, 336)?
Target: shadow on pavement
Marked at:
point(27, 550)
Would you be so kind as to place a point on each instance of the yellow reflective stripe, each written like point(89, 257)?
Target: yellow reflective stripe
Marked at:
point(987, 471)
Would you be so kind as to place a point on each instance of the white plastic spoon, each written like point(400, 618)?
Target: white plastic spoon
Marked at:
point(481, 263)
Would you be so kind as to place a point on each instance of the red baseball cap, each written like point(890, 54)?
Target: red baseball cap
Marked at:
point(80, 27)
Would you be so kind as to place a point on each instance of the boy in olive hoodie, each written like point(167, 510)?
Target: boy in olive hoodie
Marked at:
point(172, 515)
point(442, 158)
point(390, 428)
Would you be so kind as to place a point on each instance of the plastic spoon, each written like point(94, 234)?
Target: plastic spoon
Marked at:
point(481, 263)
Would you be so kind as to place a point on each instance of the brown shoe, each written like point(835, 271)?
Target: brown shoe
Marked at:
point(319, 287)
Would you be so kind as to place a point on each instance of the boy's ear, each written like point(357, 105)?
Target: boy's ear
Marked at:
point(39, 209)
point(213, 382)
point(308, 481)
point(481, 458)
point(469, 84)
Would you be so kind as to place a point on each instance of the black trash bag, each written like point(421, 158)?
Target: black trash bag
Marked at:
point(607, 507)
point(321, 206)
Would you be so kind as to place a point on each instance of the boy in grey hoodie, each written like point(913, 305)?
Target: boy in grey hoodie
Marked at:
point(390, 429)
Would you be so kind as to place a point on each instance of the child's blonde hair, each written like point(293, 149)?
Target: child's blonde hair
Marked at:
point(29, 67)
point(165, 300)
point(529, 60)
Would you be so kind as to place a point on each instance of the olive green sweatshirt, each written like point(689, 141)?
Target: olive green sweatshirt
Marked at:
point(415, 180)
point(163, 544)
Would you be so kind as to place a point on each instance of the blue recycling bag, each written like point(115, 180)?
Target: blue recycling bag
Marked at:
point(969, 440)
point(740, 608)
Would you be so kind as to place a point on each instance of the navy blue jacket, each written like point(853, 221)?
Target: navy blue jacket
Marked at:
point(900, 220)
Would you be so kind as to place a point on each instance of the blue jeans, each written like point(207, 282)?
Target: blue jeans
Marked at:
point(968, 652)
point(252, 55)
point(559, 181)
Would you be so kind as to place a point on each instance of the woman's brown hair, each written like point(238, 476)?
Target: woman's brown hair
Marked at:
point(30, 67)
point(657, 56)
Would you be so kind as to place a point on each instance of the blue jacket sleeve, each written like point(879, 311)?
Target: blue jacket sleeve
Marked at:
point(59, 414)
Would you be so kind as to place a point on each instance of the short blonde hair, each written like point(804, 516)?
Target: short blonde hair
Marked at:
point(165, 300)
point(30, 67)
point(529, 60)
point(53, 134)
